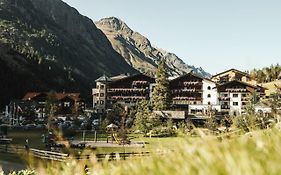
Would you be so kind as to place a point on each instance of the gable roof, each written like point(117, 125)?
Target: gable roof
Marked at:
point(192, 74)
point(132, 76)
point(73, 96)
point(31, 95)
point(235, 70)
point(59, 96)
point(104, 78)
point(237, 81)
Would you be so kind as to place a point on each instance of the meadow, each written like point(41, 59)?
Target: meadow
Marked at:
point(256, 152)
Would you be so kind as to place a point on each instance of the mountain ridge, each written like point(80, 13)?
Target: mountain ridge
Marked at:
point(50, 46)
point(138, 50)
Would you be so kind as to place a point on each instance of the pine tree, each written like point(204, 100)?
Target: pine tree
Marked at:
point(161, 96)
point(143, 117)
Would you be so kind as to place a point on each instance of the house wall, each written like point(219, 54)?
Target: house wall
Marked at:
point(202, 110)
point(235, 109)
point(209, 88)
point(99, 97)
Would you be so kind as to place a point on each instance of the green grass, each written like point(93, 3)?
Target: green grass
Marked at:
point(15, 158)
point(271, 86)
point(34, 138)
point(152, 144)
point(255, 153)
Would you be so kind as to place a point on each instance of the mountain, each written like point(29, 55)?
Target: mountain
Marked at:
point(138, 51)
point(46, 44)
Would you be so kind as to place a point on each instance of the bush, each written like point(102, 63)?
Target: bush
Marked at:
point(249, 122)
point(162, 132)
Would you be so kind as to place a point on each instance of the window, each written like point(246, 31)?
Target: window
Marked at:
point(209, 87)
point(235, 95)
point(209, 95)
point(225, 95)
point(102, 86)
point(235, 103)
point(195, 103)
point(244, 95)
point(209, 103)
point(101, 94)
point(243, 103)
point(101, 102)
point(98, 86)
point(66, 104)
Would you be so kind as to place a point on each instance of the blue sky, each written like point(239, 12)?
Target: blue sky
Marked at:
point(213, 34)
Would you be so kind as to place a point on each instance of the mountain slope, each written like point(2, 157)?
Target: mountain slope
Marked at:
point(49, 45)
point(138, 51)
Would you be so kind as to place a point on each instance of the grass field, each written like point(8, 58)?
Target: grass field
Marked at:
point(35, 141)
point(271, 86)
point(254, 153)
point(257, 152)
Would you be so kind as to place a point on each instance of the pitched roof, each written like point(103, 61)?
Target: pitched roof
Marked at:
point(235, 70)
point(74, 96)
point(241, 82)
point(31, 95)
point(59, 96)
point(132, 76)
point(193, 74)
point(104, 78)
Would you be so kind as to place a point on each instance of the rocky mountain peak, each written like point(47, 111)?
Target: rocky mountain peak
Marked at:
point(138, 50)
point(114, 24)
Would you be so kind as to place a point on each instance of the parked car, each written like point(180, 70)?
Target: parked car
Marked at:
point(96, 122)
point(29, 126)
point(41, 126)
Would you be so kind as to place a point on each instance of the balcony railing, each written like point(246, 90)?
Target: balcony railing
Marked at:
point(225, 107)
point(236, 90)
point(224, 98)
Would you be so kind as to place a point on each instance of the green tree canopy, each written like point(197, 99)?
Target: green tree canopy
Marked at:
point(161, 95)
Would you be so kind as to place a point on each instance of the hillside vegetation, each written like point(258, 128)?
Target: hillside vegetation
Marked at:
point(267, 74)
point(47, 45)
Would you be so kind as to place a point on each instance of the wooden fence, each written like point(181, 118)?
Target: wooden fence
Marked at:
point(61, 157)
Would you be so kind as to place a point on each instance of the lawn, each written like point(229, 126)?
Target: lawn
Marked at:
point(271, 86)
point(34, 138)
point(151, 144)
point(257, 152)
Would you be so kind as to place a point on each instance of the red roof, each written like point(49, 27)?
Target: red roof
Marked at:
point(30, 95)
point(59, 96)
point(74, 96)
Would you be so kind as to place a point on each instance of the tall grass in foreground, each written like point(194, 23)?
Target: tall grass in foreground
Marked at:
point(255, 153)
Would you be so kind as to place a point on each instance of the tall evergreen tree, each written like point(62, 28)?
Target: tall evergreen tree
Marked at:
point(161, 95)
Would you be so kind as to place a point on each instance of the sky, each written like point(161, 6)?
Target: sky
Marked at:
point(213, 34)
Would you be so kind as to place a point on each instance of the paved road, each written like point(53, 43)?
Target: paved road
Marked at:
point(9, 166)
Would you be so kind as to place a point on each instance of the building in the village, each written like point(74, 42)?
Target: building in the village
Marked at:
point(233, 74)
point(66, 102)
point(234, 96)
point(33, 105)
point(124, 89)
point(200, 94)
point(226, 93)
point(188, 92)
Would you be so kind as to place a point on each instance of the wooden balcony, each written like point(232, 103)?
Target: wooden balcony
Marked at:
point(236, 90)
point(225, 107)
